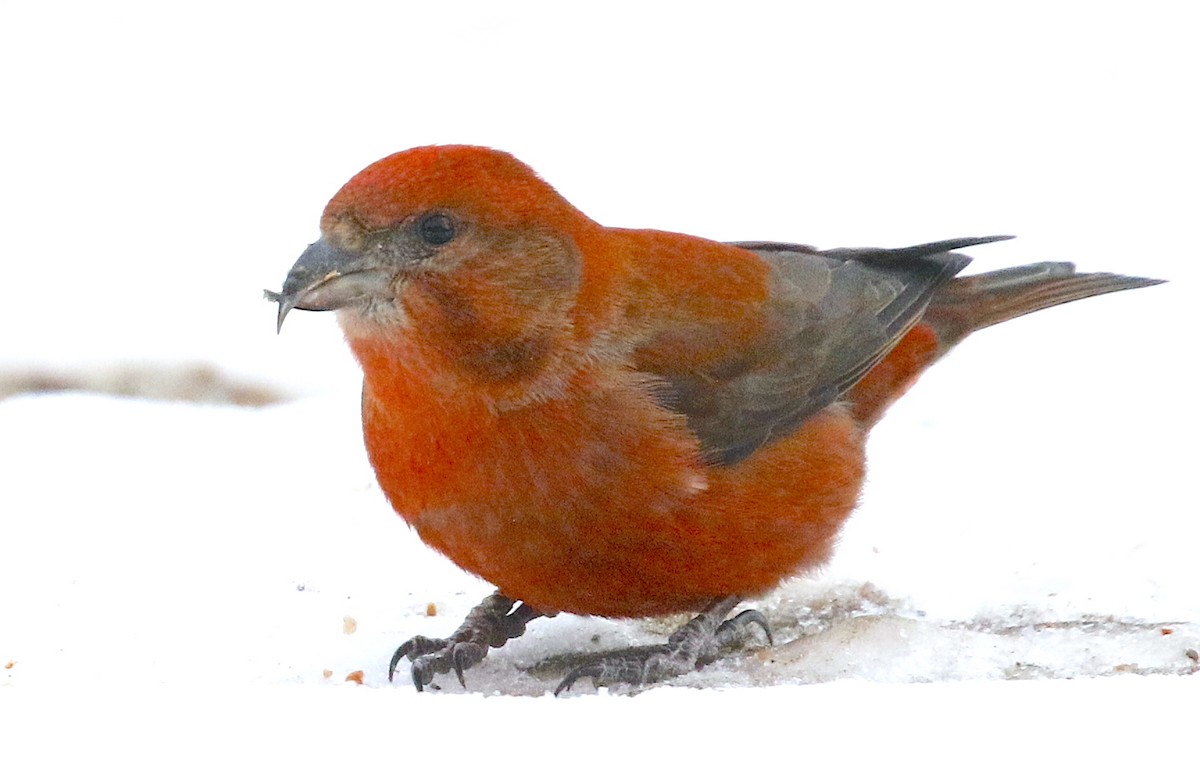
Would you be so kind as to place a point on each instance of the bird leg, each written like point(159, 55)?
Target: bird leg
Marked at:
point(491, 623)
point(698, 642)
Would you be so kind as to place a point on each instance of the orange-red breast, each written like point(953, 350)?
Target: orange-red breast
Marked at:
point(622, 422)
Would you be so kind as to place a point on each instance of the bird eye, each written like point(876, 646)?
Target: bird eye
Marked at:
point(436, 229)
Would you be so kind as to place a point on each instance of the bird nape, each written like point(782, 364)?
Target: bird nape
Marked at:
point(621, 422)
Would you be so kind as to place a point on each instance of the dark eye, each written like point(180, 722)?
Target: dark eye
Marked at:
point(436, 229)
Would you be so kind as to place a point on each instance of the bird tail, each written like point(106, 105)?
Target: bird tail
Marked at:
point(968, 304)
point(965, 305)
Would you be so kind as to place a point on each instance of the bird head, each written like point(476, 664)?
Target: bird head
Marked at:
point(428, 214)
point(461, 255)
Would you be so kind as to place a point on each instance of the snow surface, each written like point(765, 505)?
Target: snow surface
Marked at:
point(1017, 589)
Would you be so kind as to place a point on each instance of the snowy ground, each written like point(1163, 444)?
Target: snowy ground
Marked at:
point(185, 586)
point(197, 570)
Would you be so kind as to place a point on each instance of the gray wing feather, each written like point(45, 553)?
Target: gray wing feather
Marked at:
point(835, 314)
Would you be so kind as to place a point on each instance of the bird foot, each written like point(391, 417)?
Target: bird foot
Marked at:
point(697, 643)
point(489, 624)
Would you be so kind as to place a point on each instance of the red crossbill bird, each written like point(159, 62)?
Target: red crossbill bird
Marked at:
point(623, 422)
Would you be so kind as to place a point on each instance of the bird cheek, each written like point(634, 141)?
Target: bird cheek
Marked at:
point(376, 322)
point(383, 315)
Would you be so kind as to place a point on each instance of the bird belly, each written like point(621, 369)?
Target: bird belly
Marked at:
point(608, 507)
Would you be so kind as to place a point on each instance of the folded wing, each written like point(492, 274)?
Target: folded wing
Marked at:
point(832, 315)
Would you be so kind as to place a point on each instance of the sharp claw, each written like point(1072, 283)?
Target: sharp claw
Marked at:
point(400, 653)
point(460, 661)
point(767, 631)
point(489, 624)
point(587, 670)
point(746, 617)
point(732, 633)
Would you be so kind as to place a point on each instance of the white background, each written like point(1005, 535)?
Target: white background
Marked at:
point(160, 164)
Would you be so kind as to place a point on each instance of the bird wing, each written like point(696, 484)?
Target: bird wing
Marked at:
point(831, 316)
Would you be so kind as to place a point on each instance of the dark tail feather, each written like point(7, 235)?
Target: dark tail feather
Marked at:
point(970, 303)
